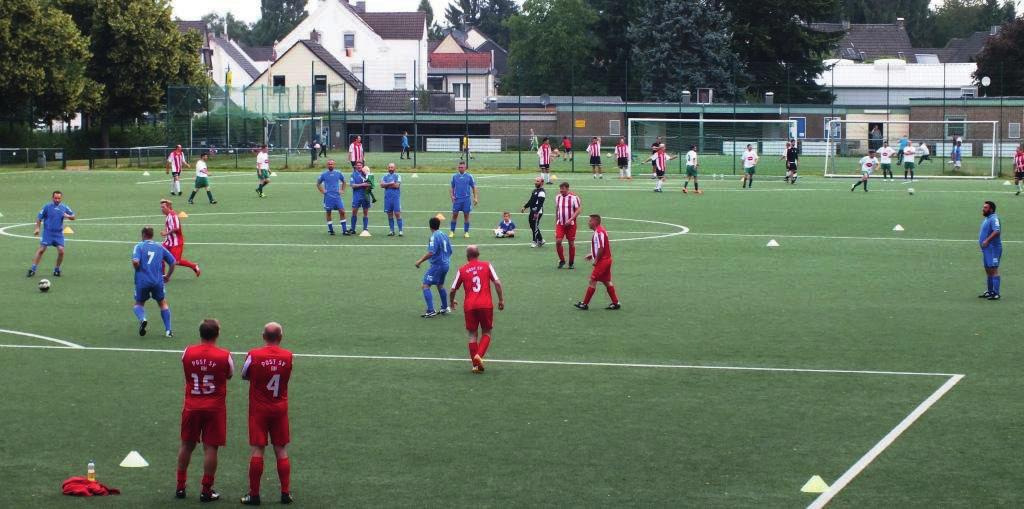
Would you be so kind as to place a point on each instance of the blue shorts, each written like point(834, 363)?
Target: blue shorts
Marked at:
point(990, 256)
point(333, 203)
point(52, 239)
point(464, 205)
point(392, 204)
point(360, 202)
point(144, 293)
point(435, 275)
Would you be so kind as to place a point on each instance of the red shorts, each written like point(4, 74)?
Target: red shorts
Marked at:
point(602, 272)
point(482, 318)
point(207, 426)
point(274, 424)
point(565, 231)
point(177, 251)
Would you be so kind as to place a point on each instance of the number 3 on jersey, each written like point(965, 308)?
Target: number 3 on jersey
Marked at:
point(206, 387)
point(476, 284)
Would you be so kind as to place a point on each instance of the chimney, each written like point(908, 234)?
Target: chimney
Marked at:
point(360, 7)
point(314, 36)
point(901, 22)
point(769, 97)
point(273, 51)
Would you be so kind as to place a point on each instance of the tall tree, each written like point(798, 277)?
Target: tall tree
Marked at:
point(493, 15)
point(434, 31)
point(613, 56)
point(552, 49)
point(42, 74)
point(961, 18)
point(138, 52)
point(277, 19)
point(782, 54)
point(1001, 60)
point(672, 57)
point(235, 28)
point(463, 14)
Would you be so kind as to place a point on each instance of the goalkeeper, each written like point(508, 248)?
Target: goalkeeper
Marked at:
point(362, 193)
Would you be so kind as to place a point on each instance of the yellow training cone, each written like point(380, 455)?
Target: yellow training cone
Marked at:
point(554, 178)
point(68, 230)
point(182, 214)
point(815, 485)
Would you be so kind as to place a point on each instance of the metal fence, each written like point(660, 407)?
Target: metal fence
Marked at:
point(33, 157)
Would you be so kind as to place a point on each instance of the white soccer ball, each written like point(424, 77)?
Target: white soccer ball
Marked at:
point(910, 191)
point(44, 285)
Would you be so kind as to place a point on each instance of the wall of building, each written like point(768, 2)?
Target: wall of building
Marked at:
point(890, 96)
point(295, 67)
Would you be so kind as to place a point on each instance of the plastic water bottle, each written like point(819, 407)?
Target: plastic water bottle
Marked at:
point(90, 471)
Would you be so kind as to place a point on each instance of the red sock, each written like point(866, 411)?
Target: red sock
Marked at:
point(484, 343)
point(185, 263)
point(588, 296)
point(560, 251)
point(182, 477)
point(572, 253)
point(612, 296)
point(255, 474)
point(473, 350)
point(207, 483)
point(284, 471)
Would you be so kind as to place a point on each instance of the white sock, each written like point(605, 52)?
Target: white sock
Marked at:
point(658, 185)
point(177, 186)
point(629, 173)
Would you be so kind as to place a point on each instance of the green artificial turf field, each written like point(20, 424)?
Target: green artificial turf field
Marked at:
point(733, 373)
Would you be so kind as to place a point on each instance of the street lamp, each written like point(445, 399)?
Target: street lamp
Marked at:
point(985, 82)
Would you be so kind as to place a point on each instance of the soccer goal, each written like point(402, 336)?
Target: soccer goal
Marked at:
point(942, 149)
point(720, 142)
point(296, 132)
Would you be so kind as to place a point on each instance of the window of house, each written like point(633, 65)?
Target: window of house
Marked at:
point(955, 126)
point(350, 41)
point(400, 81)
point(358, 70)
point(320, 84)
point(279, 83)
point(615, 127)
point(461, 90)
point(1014, 131)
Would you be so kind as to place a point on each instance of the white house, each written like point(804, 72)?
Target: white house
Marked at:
point(894, 82)
point(387, 50)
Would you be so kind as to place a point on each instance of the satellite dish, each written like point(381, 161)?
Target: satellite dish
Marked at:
point(986, 81)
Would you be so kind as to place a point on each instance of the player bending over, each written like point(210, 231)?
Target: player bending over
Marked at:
point(202, 180)
point(50, 222)
point(991, 241)
point(148, 259)
point(868, 164)
point(692, 163)
point(464, 198)
point(506, 228)
point(204, 416)
point(476, 276)
point(750, 159)
point(601, 256)
point(268, 370)
point(439, 252)
point(331, 184)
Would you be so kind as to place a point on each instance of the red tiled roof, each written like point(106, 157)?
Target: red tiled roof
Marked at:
point(458, 60)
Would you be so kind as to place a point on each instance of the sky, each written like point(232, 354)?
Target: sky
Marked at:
point(249, 10)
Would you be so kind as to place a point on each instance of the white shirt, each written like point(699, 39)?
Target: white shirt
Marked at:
point(868, 165)
point(749, 159)
point(263, 161)
point(923, 149)
point(885, 154)
point(201, 170)
point(908, 154)
point(691, 158)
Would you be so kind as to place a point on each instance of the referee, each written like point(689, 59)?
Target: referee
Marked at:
point(536, 207)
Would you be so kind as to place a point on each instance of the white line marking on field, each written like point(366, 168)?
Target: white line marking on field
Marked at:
point(323, 225)
point(67, 344)
point(522, 361)
point(834, 237)
point(883, 444)
point(168, 178)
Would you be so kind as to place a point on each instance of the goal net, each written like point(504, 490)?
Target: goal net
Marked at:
point(942, 149)
point(295, 133)
point(720, 143)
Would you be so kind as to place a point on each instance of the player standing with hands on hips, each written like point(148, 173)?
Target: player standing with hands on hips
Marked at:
point(50, 222)
point(476, 276)
point(535, 206)
point(991, 241)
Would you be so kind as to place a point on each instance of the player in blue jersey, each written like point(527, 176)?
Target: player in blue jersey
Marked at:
point(50, 222)
point(439, 252)
point(360, 199)
point(392, 184)
point(464, 197)
point(148, 259)
point(991, 242)
point(331, 184)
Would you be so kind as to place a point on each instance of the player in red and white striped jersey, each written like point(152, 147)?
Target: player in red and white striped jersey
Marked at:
point(567, 210)
point(1018, 168)
point(174, 240)
point(660, 160)
point(601, 255)
point(622, 156)
point(594, 149)
point(544, 156)
point(355, 152)
point(175, 163)
point(476, 276)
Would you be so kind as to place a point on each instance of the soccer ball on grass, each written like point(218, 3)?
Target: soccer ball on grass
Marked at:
point(910, 191)
point(44, 285)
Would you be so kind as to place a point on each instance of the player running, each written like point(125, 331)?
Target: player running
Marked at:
point(792, 158)
point(544, 156)
point(262, 170)
point(909, 152)
point(392, 184)
point(692, 163)
point(536, 207)
point(868, 164)
point(601, 255)
point(567, 209)
point(476, 276)
point(175, 163)
point(204, 416)
point(567, 148)
point(464, 198)
point(174, 239)
point(622, 156)
point(268, 370)
point(360, 185)
point(1018, 168)
point(594, 149)
point(331, 184)
point(660, 160)
point(885, 160)
point(991, 242)
point(439, 252)
point(50, 222)
point(202, 180)
point(148, 259)
point(750, 159)
point(355, 152)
